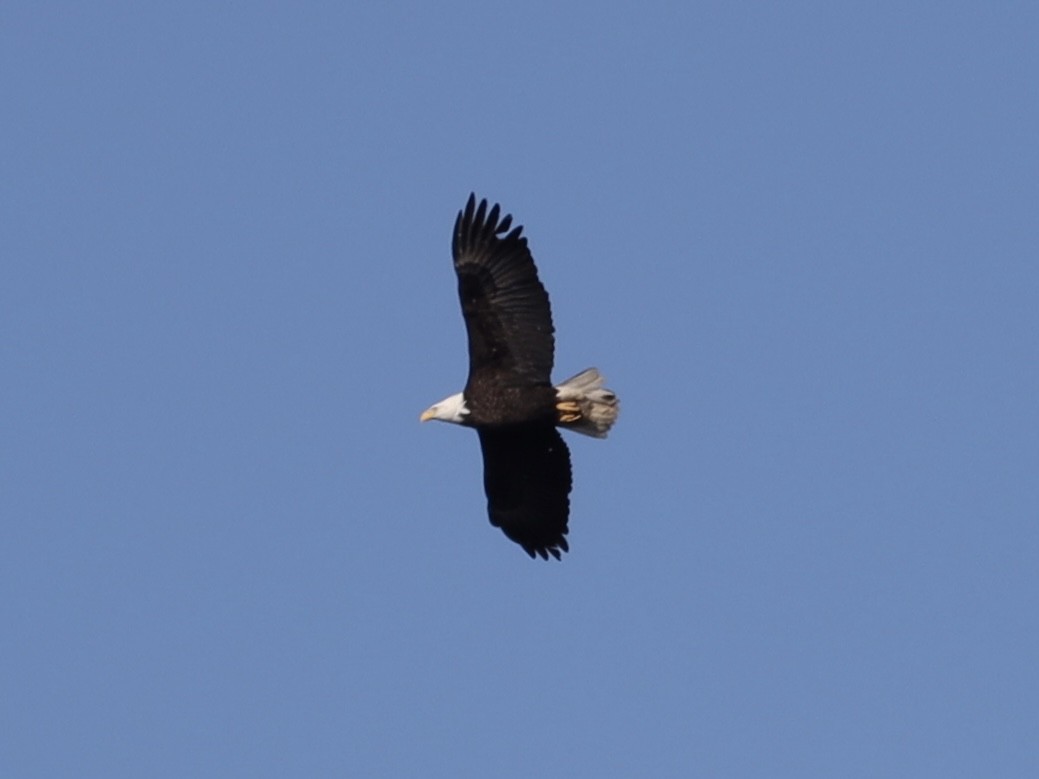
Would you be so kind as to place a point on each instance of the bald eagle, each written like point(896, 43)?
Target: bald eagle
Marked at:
point(509, 396)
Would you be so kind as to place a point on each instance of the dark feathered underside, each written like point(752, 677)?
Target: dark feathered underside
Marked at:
point(527, 480)
point(509, 392)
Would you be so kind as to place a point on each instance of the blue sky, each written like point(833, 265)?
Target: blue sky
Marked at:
point(800, 240)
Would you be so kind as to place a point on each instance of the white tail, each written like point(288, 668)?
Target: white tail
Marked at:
point(585, 406)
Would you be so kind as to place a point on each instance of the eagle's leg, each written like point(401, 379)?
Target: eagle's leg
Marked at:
point(569, 411)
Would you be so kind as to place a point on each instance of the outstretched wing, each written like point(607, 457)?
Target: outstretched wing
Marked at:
point(526, 474)
point(506, 310)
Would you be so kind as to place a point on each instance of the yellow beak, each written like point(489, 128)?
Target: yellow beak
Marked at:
point(427, 415)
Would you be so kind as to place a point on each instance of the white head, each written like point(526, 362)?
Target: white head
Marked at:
point(450, 409)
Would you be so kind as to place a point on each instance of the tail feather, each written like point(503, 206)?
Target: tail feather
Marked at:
point(591, 409)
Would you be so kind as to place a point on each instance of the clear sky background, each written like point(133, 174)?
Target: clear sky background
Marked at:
point(800, 240)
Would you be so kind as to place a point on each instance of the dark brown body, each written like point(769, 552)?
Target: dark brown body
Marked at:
point(491, 404)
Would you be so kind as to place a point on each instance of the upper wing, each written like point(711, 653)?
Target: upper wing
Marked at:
point(526, 474)
point(506, 310)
